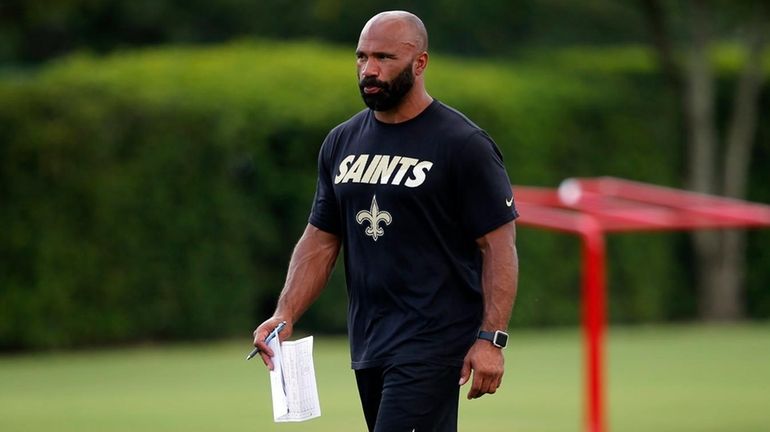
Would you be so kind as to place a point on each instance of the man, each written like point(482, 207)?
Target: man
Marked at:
point(419, 198)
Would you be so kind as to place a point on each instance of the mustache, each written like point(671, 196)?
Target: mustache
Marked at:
point(372, 82)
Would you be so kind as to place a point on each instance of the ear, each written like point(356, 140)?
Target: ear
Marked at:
point(420, 63)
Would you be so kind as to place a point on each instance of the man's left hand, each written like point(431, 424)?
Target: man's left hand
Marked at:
point(486, 361)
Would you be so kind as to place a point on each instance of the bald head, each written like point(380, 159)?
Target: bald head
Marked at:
point(400, 26)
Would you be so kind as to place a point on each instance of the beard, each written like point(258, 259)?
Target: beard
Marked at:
point(391, 93)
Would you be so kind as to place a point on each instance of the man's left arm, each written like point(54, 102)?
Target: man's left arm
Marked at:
point(499, 281)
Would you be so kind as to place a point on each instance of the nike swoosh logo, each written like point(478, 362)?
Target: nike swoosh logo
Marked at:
point(509, 202)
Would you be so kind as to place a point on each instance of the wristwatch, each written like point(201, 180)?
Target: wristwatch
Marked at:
point(498, 338)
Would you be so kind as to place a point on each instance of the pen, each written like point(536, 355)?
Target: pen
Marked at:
point(269, 337)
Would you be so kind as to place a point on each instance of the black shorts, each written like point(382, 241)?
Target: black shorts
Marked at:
point(410, 397)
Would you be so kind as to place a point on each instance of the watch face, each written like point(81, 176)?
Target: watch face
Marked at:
point(501, 339)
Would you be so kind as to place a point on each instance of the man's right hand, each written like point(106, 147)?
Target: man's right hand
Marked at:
point(309, 268)
point(261, 333)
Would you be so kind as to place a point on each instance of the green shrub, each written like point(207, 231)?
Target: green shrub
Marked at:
point(158, 194)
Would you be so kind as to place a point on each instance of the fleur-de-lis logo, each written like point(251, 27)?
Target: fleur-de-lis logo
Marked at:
point(374, 216)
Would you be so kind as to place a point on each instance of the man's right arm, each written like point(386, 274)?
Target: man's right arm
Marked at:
point(309, 269)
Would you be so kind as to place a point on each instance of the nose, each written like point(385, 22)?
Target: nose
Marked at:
point(368, 68)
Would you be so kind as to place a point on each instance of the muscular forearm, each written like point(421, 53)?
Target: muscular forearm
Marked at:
point(309, 269)
point(499, 277)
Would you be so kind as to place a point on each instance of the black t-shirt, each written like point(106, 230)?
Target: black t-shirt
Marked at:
point(409, 201)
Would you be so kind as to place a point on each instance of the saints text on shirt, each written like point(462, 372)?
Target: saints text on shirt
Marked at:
point(382, 169)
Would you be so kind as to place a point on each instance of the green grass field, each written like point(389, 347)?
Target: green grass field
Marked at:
point(682, 378)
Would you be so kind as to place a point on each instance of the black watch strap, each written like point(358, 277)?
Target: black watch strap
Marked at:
point(498, 338)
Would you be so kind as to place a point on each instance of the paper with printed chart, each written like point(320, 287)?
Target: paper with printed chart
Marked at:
point(292, 381)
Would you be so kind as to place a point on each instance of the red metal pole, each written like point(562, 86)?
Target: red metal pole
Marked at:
point(590, 207)
point(594, 322)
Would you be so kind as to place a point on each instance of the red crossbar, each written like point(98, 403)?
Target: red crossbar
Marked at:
point(589, 207)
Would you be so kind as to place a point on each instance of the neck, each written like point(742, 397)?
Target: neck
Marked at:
point(409, 108)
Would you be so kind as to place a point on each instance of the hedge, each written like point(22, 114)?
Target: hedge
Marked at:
point(157, 194)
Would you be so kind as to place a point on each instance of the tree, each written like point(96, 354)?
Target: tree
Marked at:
point(711, 167)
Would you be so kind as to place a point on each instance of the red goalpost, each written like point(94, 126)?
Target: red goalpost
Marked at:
point(591, 207)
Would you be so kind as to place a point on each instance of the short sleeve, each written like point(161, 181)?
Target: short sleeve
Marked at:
point(484, 189)
point(325, 214)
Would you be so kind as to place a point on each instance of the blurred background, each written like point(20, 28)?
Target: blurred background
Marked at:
point(158, 161)
point(157, 157)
